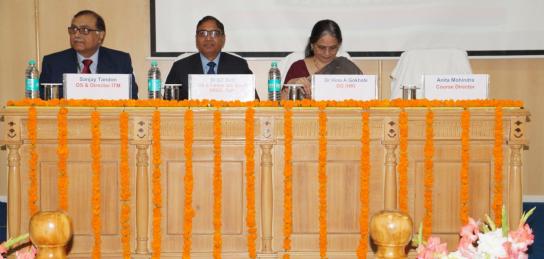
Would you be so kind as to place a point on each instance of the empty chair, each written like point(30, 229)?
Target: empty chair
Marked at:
point(413, 64)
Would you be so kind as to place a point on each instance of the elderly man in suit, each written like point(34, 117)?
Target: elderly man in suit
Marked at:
point(86, 55)
point(210, 39)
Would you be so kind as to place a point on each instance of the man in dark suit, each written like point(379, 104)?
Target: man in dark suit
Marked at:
point(210, 39)
point(86, 55)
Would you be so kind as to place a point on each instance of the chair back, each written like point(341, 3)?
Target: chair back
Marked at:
point(413, 64)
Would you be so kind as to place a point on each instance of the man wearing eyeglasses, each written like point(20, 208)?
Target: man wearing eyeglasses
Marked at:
point(210, 39)
point(86, 55)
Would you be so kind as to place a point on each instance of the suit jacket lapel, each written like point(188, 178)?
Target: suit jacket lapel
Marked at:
point(72, 66)
point(222, 63)
point(197, 65)
point(104, 65)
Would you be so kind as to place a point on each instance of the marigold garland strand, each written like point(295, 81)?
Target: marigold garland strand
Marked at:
point(322, 174)
point(403, 161)
point(33, 161)
point(156, 186)
point(95, 154)
point(302, 103)
point(287, 181)
point(428, 175)
point(498, 156)
point(464, 174)
point(364, 176)
point(250, 182)
point(62, 153)
point(188, 182)
point(217, 185)
point(124, 173)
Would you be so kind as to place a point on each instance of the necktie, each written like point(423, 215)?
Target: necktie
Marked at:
point(210, 70)
point(86, 66)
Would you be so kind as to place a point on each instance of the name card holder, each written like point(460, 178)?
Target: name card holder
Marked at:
point(456, 87)
point(344, 87)
point(97, 86)
point(222, 87)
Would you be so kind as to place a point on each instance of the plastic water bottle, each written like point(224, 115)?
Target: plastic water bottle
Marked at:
point(154, 81)
point(32, 83)
point(274, 82)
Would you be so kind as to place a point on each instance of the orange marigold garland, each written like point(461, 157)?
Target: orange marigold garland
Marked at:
point(364, 175)
point(250, 176)
point(217, 184)
point(124, 173)
point(303, 103)
point(498, 156)
point(322, 174)
point(403, 161)
point(62, 153)
point(188, 211)
point(95, 154)
point(156, 185)
point(287, 181)
point(428, 175)
point(33, 161)
point(465, 148)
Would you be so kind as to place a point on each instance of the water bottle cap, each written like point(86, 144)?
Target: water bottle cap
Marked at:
point(32, 62)
point(154, 63)
point(274, 64)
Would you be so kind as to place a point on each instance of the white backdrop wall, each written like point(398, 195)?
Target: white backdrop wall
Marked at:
point(367, 25)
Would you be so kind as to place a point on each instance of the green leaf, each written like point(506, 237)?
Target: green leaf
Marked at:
point(490, 222)
point(12, 241)
point(418, 239)
point(485, 228)
point(525, 216)
point(505, 222)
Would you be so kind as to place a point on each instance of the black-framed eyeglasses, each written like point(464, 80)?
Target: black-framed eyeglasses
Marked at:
point(83, 30)
point(205, 33)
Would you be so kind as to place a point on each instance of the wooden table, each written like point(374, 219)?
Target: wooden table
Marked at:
point(343, 163)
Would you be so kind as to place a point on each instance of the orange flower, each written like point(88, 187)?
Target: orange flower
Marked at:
point(403, 161)
point(428, 175)
point(364, 175)
point(287, 180)
point(189, 212)
point(62, 153)
point(95, 154)
point(303, 103)
point(217, 184)
point(497, 154)
point(250, 176)
point(156, 186)
point(33, 161)
point(322, 172)
point(465, 148)
point(124, 172)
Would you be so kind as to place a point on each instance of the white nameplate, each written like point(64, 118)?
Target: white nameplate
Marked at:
point(97, 86)
point(456, 87)
point(222, 87)
point(343, 87)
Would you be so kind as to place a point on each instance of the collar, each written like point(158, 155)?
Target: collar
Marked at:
point(94, 58)
point(204, 60)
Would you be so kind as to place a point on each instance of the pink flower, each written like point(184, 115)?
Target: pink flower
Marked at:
point(470, 230)
point(520, 240)
point(466, 248)
point(432, 249)
point(26, 253)
point(3, 249)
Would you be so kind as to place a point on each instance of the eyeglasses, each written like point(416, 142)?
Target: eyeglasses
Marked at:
point(212, 33)
point(84, 30)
